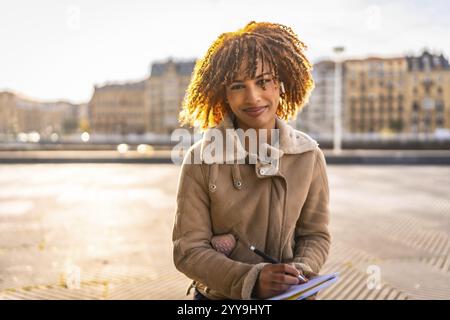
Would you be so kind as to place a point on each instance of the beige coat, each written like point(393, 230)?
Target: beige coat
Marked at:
point(282, 209)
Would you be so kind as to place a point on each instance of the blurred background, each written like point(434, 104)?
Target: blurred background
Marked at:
point(89, 98)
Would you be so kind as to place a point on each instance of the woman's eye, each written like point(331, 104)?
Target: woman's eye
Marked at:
point(236, 87)
point(264, 81)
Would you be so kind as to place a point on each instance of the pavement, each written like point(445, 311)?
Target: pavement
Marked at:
point(103, 231)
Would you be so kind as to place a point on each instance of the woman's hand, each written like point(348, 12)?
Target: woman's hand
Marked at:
point(275, 279)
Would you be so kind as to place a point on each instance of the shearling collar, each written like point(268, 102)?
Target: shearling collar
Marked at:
point(291, 141)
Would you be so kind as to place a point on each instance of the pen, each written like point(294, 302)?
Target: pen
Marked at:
point(271, 260)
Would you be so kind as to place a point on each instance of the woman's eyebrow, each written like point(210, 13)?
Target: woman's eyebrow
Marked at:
point(263, 74)
point(257, 77)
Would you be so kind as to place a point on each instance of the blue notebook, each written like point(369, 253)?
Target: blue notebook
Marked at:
point(305, 290)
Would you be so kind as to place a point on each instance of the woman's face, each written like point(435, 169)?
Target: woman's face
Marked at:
point(254, 101)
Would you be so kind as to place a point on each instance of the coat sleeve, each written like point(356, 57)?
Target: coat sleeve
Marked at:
point(192, 232)
point(312, 237)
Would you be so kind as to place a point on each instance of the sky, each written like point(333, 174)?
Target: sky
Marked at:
point(60, 49)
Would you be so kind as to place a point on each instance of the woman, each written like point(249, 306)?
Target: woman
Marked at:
point(250, 81)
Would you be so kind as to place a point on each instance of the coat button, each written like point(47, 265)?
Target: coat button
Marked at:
point(238, 184)
point(262, 171)
point(212, 187)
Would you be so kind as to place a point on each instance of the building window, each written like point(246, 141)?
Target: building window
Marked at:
point(353, 104)
point(428, 103)
point(427, 121)
point(362, 87)
point(353, 125)
point(362, 110)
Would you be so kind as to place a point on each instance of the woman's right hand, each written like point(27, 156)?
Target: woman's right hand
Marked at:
point(275, 279)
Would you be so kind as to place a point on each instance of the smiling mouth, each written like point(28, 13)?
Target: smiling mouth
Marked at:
point(255, 109)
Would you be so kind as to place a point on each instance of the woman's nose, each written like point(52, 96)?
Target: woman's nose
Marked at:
point(252, 95)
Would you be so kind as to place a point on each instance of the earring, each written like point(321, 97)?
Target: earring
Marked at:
point(282, 90)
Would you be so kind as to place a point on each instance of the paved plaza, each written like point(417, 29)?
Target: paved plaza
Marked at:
point(103, 231)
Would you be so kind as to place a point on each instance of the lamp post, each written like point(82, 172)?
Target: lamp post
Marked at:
point(337, 138)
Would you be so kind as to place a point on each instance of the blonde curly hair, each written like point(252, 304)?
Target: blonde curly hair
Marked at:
point(273, 44)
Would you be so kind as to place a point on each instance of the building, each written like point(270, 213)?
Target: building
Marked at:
point(47, 118)
point(317, 117)
point(374, 95)
point(165, 90)
point(397, 95)
point(118, 109)
point(19, 114)
point(428, 99)
point(8, 113)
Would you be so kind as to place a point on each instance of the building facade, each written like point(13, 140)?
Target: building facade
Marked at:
point(8, 113)
point(164, 93)
point(428, 99)
point(396, 95)
point(374, 95)
point(118, 109)
point(19, 114)
point(317, 116)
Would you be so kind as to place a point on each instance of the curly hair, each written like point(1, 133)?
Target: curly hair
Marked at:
point(273, 44)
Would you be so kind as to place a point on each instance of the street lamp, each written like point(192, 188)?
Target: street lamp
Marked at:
point(337, 138)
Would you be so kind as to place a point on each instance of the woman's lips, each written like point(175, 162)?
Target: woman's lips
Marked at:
point(255, 111)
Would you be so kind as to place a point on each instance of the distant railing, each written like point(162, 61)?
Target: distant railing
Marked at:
point(350, 140)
